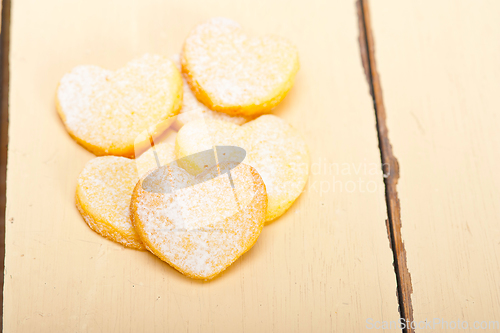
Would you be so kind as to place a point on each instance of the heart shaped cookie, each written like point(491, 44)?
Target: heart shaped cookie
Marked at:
point(105, 111)
point(273, 148)
point(193, 109)
point(200, 225)
point(104, 189)
point(233, 73)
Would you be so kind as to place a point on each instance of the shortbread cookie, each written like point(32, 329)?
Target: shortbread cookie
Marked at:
point(233, 73)
point(200, 225)
point(104, 189)
point(193, 109)
point(273, 148)
point(105, 111)
point(165, 151)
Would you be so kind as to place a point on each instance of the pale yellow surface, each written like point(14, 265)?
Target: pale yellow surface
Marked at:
point(440, 69)
point(323, 266)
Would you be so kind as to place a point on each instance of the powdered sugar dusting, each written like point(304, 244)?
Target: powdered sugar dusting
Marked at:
point(202, 229)
point(104, 191)
point(235, 70)
point(274, 149)
point(193, 109)
point(109, 109)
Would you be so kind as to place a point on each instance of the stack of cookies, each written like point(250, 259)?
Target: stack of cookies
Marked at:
point(153, 123)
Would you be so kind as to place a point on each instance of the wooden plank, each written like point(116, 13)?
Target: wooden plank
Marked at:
point(325, 266)
point(440, 75)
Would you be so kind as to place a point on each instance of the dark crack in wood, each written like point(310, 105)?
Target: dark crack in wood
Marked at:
point(390, 165)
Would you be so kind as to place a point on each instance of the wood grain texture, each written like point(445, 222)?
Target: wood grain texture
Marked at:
point(440, 74)
point(326, 265)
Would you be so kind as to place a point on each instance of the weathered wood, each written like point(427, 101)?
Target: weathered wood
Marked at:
point(440, 74)
point(325, 266)
point(390, 166)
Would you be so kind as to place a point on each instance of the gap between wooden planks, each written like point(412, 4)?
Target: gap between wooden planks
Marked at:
point(4, 123)
point(389, 163)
